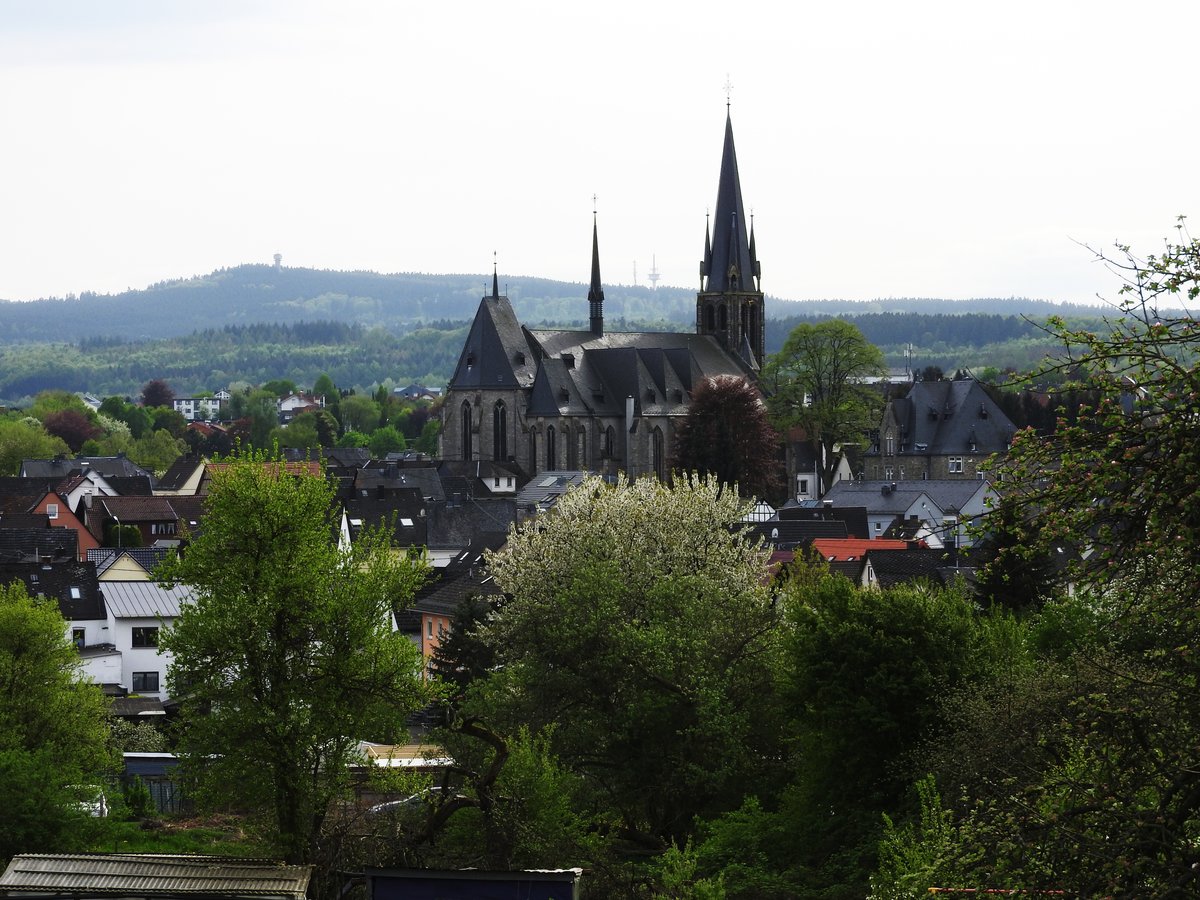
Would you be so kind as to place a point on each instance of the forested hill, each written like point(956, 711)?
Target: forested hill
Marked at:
point(251, 294)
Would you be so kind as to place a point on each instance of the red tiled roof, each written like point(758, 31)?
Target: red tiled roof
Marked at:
point(853, 548)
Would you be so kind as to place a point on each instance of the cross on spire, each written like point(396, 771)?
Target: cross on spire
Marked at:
point(728, 92)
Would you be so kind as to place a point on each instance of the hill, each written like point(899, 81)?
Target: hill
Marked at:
point(254, 323)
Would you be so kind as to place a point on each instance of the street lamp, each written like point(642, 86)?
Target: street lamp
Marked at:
point(118, 521)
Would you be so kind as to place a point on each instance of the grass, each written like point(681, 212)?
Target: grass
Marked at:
point(217, 835)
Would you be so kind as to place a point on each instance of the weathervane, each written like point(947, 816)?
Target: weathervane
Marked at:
point(728, 91)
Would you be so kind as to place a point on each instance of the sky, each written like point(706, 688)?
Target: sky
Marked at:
point(920, 149)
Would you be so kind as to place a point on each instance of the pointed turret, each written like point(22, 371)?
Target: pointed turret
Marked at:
point(729, 305)
point(730, 248)
point(495, 281)
point(595, 291)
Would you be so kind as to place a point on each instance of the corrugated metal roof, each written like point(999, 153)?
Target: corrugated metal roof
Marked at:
point(144, 599)
point(148, 874)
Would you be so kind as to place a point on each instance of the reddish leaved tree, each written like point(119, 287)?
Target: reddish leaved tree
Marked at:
point(72, 426)
point(727, 434)
point(157, 393)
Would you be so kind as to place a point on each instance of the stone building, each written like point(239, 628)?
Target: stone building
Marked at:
point(939, 430)
point(598, 400)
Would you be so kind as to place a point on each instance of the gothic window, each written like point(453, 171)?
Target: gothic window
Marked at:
point(891, 444)
point(572, 462)
point(583, 457)
point(499, 431)
point(658, 450)
point(724, 317)
point(466, 430)
point(610, 443)
point(710, 318)
point(551, 449)
point(533, 466)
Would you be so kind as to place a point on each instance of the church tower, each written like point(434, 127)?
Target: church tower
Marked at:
point(729, 305)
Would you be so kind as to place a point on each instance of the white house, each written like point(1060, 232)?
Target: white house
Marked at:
point(944, 508)
point(137, 610)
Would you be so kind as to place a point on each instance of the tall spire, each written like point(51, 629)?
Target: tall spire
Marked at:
point(595, 291)
point(730, 247)
point(706, 262)
point(495, 279)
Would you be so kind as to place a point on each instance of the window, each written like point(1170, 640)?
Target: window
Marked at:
point(658, 454)
point(145, 682)
point(465, 419)
point(500, 431)
point(145, 637)
point(888, 473)
point(802, 486)
point(77, 638)
point(429, 627)
point(551, 449)
point(891, 444)
point(956, 464)
point(52, 510)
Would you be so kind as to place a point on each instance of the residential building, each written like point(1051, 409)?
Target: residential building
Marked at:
point(939, 430)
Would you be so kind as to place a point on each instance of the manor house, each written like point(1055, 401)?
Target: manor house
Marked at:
point(599, 400)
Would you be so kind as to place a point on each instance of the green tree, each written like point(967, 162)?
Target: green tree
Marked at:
point(156, 450)
point(22, 439)
point(817, 382)
point(649, 650)
point(287, 655)
point(48, 402)
point(53, 732)
point(359, 413)
point(727, 434)
point(1097, 790)
point(384, 440)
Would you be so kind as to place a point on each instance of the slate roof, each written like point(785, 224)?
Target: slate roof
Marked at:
point(730, 239)
point(37, 543)
point(178, 474)
point(423, 478)
point(786, 534)
point(853, 517)
point(61, 467)
point(403, 509)
point(883, 497)
point(152, 875)
point(147, 557)
point(892, 567)
point(131, 485)
point(61, 581)
point(465, 576)
point(585, 374)
point(144, 599)
point(498, 353)
point(948, 417)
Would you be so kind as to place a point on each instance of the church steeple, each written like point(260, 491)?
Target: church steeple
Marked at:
point(729, 305)
point(595, 291)
point(495, 280)
point(730, 247)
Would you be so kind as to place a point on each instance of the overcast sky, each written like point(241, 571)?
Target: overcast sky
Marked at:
point(887, 149)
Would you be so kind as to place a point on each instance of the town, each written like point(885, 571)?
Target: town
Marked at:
point(614, 614)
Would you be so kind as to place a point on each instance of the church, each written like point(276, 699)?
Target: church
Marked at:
point(605, 401)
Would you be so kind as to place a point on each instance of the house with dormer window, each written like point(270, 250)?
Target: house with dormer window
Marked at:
point(940, 430)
